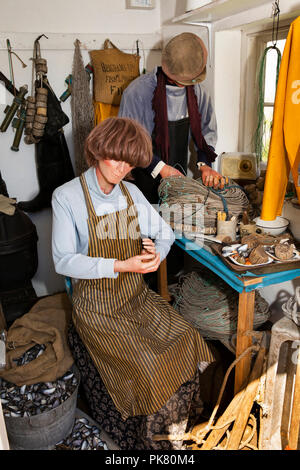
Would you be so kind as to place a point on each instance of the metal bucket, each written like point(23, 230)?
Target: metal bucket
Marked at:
point(43, 431)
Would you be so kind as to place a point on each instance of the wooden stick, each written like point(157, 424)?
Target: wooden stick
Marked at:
point(287, 405)
point(4, 445)
point(200, 431)
point(8, 85)
point(295, 417)
point(228, 416)
point(261, 402)
point(2, 319)
point(245, 323)
point(247, 402)
point(3, 325)
point(163, 281)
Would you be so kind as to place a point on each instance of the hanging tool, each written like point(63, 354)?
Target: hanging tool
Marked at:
point(8, 85)
point(18, 124)
point(36, 109)
point(66, 94)
point(18, 101)
point(138, 53)
point(10, 52)
point(10, 111)
point(137, 45)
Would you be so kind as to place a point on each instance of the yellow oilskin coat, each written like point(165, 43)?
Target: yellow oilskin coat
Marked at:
point(284, 154)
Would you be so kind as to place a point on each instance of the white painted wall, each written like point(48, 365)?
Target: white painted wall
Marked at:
point(227, 84)
point(77, 16)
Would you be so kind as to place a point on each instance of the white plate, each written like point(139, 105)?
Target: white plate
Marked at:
point(250, 265)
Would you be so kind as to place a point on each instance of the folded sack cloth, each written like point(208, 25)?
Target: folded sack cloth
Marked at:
point(46, 323)
point(7, 205)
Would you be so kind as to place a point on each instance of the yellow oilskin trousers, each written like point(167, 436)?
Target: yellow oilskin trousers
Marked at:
point(104, 111)
point(284, 153)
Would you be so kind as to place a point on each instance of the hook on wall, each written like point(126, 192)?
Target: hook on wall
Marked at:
point(276, 16)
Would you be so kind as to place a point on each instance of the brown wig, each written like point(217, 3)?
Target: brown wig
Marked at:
point(121, 139)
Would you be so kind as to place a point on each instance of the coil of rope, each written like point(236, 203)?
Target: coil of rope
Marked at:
point(192, 198)
point(211, 306)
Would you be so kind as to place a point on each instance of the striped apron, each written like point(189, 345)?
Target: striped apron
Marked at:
point(142, 348)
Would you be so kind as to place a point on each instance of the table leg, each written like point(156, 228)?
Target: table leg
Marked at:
point(163, 281)
point(243, 341)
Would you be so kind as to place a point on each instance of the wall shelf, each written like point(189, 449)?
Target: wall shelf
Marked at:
point(218, 10)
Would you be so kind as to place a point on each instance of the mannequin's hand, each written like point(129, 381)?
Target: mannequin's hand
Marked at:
point(141, 264)
point(168, 170)
point(211, 178)
point(148, 247)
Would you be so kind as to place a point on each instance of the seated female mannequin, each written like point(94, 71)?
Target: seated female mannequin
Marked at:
point(139, 359)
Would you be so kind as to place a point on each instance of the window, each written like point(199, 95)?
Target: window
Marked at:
point(269, 86)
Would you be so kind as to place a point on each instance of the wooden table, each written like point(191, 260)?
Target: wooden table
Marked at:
point(245, 284)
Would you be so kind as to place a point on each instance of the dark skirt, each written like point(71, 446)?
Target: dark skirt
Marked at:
point(136, 433)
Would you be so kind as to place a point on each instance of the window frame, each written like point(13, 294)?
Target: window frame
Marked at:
point(253, 45)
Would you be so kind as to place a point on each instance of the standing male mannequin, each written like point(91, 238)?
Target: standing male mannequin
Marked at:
point(171, 104)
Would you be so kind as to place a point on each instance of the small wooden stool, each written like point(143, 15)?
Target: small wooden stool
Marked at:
point(282, 392)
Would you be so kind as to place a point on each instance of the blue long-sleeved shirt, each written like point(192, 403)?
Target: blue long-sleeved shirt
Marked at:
point(70, 230)
point(136, 103)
